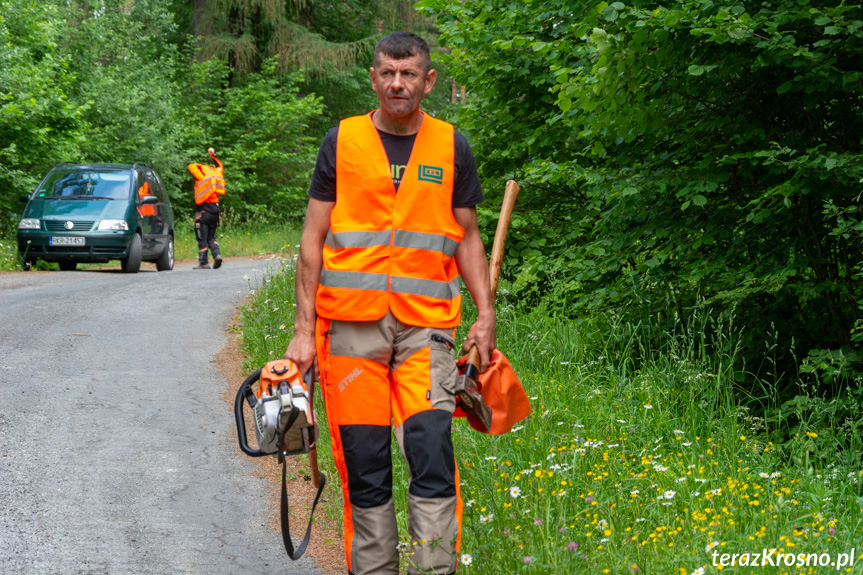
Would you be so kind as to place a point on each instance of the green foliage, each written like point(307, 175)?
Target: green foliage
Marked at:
point(39, 124)
point(129, 80)
point(676, 151)
point(259, 127)
point(96, 81)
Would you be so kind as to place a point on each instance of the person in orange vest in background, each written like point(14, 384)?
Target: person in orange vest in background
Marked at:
point(378, 287)
point(209, 185)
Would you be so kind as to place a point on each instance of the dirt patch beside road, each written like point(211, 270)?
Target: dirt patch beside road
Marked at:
point(326, 547)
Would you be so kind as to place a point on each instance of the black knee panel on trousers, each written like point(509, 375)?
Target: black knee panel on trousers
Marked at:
point(429, 452)
point(369, 464)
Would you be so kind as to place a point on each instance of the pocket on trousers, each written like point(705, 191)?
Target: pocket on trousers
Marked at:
point(443, 373)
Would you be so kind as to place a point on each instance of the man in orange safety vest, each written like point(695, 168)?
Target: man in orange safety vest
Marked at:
point(209, 185)
point(390, 233)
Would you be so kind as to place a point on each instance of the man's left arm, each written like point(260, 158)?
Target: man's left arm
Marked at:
point(473, 268)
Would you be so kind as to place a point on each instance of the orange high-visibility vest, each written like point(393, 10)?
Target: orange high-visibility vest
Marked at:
point(209, 182)
point(386, 250)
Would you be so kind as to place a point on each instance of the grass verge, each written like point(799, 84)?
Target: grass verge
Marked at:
point(647, 466)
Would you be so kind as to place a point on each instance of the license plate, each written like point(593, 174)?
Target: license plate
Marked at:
point(66, 241)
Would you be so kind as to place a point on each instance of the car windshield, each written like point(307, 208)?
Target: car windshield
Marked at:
point(78, 184)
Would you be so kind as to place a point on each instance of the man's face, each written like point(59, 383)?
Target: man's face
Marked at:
point(401, 84)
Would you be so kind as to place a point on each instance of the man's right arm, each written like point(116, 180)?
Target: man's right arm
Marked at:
point(301, 349)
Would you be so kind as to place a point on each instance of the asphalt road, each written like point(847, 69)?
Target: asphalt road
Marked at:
point(117, 454)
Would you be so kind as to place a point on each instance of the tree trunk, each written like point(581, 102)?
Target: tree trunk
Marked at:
point(198, 7)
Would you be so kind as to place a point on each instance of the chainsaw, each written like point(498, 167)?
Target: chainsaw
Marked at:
point(284, 425)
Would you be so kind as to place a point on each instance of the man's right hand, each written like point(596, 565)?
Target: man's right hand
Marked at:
point(301, 350)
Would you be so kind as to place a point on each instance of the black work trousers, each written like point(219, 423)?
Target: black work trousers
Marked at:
point(206, 223)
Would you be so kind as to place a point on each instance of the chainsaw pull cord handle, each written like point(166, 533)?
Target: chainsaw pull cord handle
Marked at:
point(295, 554)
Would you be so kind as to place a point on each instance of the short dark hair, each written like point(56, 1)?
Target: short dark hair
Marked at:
point(401, 45)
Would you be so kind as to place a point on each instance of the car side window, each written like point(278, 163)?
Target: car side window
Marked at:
point(159, 189)
point(142, 187)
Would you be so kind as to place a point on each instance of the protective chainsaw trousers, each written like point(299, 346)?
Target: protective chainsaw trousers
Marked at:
point(374, 373)
point(205, 232)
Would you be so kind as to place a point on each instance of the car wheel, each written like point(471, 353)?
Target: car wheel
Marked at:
point(132, 263)
point(68, 266)
point(165, 263)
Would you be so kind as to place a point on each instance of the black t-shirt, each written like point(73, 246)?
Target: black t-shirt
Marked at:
point(467, 191)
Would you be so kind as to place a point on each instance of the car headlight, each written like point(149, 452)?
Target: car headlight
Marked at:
point(114, 225)
point(29, 224)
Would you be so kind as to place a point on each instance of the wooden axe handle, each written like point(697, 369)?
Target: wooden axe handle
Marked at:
point(497, 251)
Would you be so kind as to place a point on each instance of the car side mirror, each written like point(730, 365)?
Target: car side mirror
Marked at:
point(150, 200)
point(24, 198)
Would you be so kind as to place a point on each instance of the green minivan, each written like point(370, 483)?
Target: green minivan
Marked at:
point(94, 213)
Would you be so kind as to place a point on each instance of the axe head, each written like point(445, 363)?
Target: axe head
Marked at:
point(471, 399)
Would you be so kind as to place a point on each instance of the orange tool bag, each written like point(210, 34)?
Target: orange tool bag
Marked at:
point(501, 391)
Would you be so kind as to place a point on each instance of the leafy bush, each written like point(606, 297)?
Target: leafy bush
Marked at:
point(675, 152)
point(259, 127)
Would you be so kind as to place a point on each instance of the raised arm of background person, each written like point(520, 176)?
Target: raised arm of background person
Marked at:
point(301, 349)
point(473, 268)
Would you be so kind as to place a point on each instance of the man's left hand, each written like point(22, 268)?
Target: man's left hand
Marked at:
point(483, 335)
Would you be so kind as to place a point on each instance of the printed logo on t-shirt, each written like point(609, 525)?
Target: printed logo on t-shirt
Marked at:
point(396, 172)
point(431, 174)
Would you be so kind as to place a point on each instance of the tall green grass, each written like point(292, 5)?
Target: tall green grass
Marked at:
point(639, 456)
point(256, 235)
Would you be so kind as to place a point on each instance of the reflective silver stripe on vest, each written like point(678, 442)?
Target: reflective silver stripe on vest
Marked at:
point(354, 280)
point(216, 185)
point(429, 288)
point(205, 180)
point(424, 241)
point(378, 282)
point(341, 240)
point(401, 238)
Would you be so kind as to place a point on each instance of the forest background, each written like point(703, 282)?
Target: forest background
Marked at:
point(671, 157)
point(689, 169)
